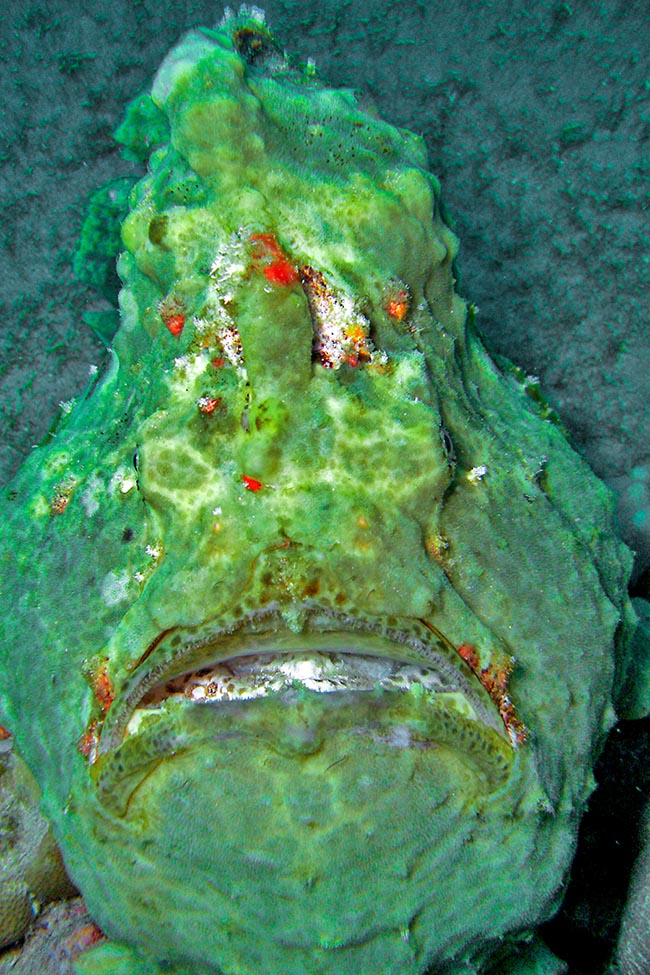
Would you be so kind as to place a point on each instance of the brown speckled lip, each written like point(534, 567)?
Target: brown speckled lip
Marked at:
point(306, 627)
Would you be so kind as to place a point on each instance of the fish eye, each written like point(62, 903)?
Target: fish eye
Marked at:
point(253, 45)
point(448, 444)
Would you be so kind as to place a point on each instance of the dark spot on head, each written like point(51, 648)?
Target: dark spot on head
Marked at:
point(312, 588)
point(448, 444)
point(255, 46)
point(157, 228)
point(127, 535)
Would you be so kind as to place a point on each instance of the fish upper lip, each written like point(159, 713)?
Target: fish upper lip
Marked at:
point(266, 630)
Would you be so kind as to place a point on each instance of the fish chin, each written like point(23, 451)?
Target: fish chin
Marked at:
point(306, 823)
point(308, 784)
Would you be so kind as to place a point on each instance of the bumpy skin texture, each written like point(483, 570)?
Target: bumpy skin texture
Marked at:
point(302, 444)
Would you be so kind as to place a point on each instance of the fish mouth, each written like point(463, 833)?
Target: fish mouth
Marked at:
point(399, 680)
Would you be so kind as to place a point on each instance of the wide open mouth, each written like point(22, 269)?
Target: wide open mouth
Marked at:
point(376, 675)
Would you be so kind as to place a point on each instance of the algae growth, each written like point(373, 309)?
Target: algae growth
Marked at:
point(310, 621)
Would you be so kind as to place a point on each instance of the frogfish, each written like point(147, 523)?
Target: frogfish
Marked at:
point(312, 619)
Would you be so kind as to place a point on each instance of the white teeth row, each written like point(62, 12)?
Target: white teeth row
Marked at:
point(242, 678)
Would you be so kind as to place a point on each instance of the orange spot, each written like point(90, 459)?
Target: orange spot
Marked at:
point(469, 655)
point(495, 681)
point(251, 483)
point(356, 334)
point(438, 548)
point(397, 304)
point(59, 502)
point(102, 687)
point(4, 734)
point(208, 404)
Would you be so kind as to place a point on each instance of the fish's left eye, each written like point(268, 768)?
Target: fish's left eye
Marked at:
point(448, 444)
point(254, 46)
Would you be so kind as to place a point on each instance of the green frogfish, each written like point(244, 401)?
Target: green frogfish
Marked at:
point(312, 620)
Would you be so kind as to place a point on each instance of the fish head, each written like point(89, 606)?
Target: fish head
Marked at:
point(311, 614)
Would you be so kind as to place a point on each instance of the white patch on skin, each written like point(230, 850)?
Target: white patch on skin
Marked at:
point(190, 366)
point(115, 587)
point(400, 736)
point(123, 480)
point(477, 473)
point(90, 497)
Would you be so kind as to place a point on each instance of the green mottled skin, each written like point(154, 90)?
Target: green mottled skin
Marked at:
point(298, 834)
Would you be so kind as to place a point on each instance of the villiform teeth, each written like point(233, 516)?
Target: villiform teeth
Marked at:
point(257, 675)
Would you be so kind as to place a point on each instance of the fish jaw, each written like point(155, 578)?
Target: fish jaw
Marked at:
point(286, 798)
point(357, 672)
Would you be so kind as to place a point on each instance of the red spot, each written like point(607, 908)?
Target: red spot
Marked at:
point(208, 404)
point(276, 266)
point(495, 681)
point(218, 362)
point(4, 734)
point(268, 245)
point(281, 272)
point(172, 313)
point(251, 483)
point(174, 323)
point(469, 655)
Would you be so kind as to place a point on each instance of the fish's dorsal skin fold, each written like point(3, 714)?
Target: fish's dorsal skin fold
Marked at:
point(310, 609)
